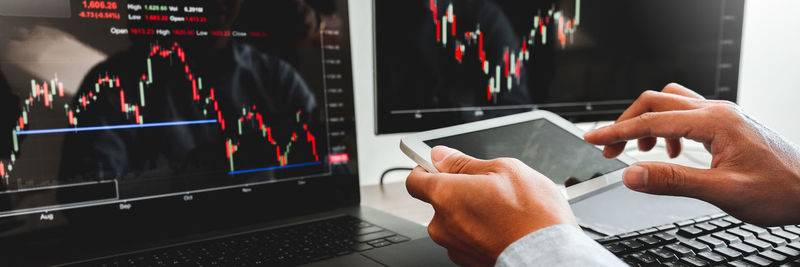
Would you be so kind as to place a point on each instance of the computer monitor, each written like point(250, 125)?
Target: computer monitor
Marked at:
point(445, 62)
point(128, 121)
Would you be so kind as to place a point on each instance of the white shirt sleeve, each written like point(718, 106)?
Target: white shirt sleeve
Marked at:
point(557, 245)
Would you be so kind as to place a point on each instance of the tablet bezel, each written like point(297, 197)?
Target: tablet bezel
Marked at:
point(415, 147)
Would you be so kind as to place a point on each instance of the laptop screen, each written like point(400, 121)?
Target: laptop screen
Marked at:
point(171, 116)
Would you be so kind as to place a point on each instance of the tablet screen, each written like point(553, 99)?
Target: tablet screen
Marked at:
point(563, 157)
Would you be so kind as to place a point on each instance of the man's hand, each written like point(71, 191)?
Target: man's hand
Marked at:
point(754, 174)
point(482, 206)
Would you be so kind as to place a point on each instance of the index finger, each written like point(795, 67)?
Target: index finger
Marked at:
point(670, 124)
point(675, 88)
point(673, 97)
point(652, 101)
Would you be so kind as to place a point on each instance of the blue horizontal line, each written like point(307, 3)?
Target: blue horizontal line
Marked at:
point(276, 167)
point(113, 127)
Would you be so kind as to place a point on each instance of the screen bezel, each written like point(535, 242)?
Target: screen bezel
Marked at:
point(415, 147)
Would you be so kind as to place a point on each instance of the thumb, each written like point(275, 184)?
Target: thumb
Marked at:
point(669, 179)
point(448, 160)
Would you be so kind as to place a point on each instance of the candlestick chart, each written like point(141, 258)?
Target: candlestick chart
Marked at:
point(506, 72)
point(298, 148)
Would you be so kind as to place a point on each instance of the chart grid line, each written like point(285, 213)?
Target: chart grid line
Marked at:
point(113, 127)
point(275, 168)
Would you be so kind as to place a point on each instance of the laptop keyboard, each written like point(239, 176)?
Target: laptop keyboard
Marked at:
point(292, 245)
point(717, 240)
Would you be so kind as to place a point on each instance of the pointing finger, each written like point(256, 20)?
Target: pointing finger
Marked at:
point(671, 124)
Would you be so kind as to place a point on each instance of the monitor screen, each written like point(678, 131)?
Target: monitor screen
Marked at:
point(561, 156)
point(149, 114)
point(446, 62)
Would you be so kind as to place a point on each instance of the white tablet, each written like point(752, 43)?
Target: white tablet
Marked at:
point(543, 140)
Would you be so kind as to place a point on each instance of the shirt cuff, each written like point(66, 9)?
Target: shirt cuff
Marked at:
point(557, 245)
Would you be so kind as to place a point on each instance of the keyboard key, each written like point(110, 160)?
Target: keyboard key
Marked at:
point(758, 244)
point(663, 255)
point(702, 219)
point(741, 234)
point(728, 253)
point(757, 260)
point(792, 229)
point(397, 239)
point(647, 231)
point(744, 249)
point(790, 252)
point(711, 241)
point(696, 246)
point(631, 262)
point(373, 236)
point(754, 229)
point(706, 227)
point(774, 228)
point(720, 223)
point(644, 258)
point(376, 241)
point(649, 241)
point(728, 238)
point(774, 240)
point(794, 245)
point(740, 263)
point(380, 243)
point(732, 220)
point(632, 244)
point(680, 250)
point(689, 231)
point(666, 237)
point(694, 261)
point(628, 235)
point(615, 248)
point(675, 264)
point(684, 223)
point(712, 257)
point(788, 236)
point(773, 256)
point(607, 239)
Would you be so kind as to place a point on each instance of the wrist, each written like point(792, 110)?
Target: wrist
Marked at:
point(528, 230)
point(560, 227)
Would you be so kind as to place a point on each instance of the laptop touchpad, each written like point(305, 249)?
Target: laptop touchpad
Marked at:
point(355, 260)
point(420, 252)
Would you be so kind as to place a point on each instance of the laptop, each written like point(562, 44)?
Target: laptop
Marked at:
point(150, 133)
